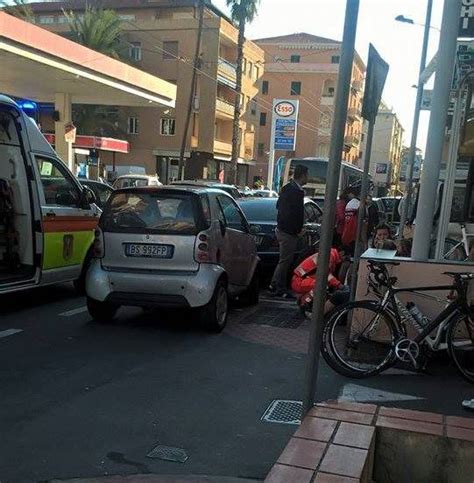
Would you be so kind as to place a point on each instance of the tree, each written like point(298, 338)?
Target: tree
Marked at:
point(98, 29)
point(18, 8)
point(243, 12)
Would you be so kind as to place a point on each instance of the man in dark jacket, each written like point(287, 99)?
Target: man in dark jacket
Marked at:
point(290, 225)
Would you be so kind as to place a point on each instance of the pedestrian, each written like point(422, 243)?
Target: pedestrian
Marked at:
point(304, 278)
point(340, 217)
point(349, 234)
point(382, 233)
point(290, 222)
point(373, 218)
point(404, 248)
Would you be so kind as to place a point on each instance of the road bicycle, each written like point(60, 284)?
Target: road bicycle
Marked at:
point(364, 338)
point(454, 250)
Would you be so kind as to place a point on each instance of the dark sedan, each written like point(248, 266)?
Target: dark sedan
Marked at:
point(261, 213)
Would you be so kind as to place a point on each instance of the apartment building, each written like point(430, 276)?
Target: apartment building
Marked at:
point(160, 37)
point(305, 67)
point(387, 150)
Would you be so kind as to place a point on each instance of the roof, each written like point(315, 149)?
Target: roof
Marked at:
point(53, 6)
point(297, 38)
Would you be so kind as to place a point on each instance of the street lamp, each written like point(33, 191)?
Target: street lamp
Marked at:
point(416, 115)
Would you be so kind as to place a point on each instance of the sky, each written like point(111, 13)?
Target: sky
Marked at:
point(398, 43)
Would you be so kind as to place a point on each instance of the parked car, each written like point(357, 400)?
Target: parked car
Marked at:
point(262, 216)
point(228, 188)
point(102, 191)
point(174, 246)
point(136, 181)
point(264, 194)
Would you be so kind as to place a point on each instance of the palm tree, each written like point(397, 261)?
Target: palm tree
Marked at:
point(18, 8)
point(243, 12)
point(98, 29)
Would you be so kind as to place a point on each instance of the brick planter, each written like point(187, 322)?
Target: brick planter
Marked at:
point(341, 442)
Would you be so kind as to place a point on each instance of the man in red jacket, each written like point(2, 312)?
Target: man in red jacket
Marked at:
point(304, 276)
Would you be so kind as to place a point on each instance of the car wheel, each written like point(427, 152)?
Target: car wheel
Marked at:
point(214, 314)
point(101, 311)
point(251, 295)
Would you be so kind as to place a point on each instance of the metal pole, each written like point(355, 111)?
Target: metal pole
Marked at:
point(271, 159)
point(416, 121)
point(363, 203)
point(327, 229)
point(192, 90)
point(436, 131)
point(449, 178)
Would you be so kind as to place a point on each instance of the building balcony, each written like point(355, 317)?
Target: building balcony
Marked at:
point(224, 109)
point(352, 141)
point(327, 100)
point(357, 85)
point(223, 147)
point(354, 113)
point(227, 72)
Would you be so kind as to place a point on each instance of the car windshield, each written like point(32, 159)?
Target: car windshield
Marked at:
point(137, 212)
point(260, 210)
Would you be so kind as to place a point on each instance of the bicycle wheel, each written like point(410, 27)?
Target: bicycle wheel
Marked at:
point(453, 250)
point(359, 339)
point(460, 338)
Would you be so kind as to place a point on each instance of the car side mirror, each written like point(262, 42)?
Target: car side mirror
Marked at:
point(87, 197)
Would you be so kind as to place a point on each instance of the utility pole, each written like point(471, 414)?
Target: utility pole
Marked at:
point(327, 228)
point(192, 90)
point(436, 130)
point(416, 121)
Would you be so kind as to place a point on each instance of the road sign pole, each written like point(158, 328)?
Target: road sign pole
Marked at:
point(327, 229)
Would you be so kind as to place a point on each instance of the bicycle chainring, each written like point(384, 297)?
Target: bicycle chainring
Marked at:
point(407, 350)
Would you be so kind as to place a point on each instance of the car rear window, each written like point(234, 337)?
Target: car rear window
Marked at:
point(137, 212)
point(260, 210)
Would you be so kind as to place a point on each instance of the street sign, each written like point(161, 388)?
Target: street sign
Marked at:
point(466, 23)
point(284, 124)
point(426, 100)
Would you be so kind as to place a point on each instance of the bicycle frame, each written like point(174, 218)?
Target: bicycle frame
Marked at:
point(389, 302)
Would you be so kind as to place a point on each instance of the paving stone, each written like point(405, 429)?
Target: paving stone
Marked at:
point(410, 425)
point(303, 453)
point(287, 474)
point(412, 415)
point(345, 461)
point(356, 435)
point(316, 428)
point(348, 416)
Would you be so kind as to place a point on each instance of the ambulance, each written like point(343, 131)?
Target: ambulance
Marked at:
point(47, 219)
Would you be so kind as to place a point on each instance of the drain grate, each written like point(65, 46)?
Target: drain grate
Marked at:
point(283, 317)
point(284, 412)
point(168, 453)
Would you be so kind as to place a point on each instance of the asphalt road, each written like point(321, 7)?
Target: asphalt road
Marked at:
point(82, 399)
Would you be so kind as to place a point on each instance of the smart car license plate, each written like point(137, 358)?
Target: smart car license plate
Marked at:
point(148, 250)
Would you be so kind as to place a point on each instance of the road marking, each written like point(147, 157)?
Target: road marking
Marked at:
point(8, 332)
point(72, 312)
point(356, 393)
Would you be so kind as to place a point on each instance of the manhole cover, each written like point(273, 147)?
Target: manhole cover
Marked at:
point(283, 317)
point(284, 412)
point(168, 453)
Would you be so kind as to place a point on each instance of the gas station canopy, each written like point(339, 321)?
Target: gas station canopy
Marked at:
point(38, 64)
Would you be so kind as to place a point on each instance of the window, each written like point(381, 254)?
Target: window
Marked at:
point(331, 91)
point(232, 215)
point(261, 149)
point(265, 86)
point(168, 127)
point(58, 186)
point(295, 88)
point(133, 125)
point(151, 212)
point(263, 119)
point(45, 19)
point(170, 50)
point(253, 108)
point(295, 59)
point(257, 72)
point(127, 18)
point(250, 70)
point(135, 51)
point(244, 66)
point(335, 59)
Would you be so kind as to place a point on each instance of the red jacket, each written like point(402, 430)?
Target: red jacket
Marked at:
point(307, 268)
point(340, 216)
